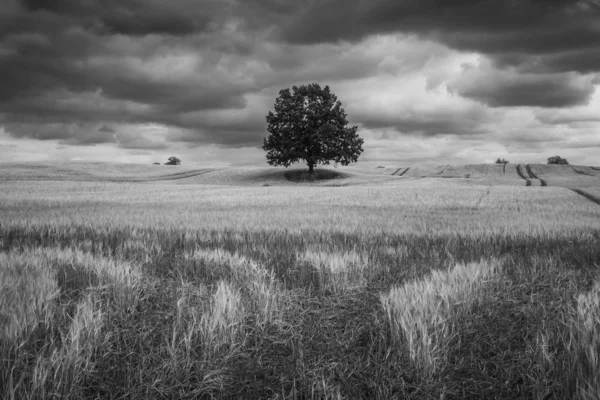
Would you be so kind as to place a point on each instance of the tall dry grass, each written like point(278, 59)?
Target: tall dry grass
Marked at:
point(52, 303)
point(259, 285)
point(336, 271)
point(27, 292)
point(583, 344)
point(214, 323)
point(423, 314)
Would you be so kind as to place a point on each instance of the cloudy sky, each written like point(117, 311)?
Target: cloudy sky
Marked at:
point(426, 81)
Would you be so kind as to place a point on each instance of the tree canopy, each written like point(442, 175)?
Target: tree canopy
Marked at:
point(557, 160)
point(173, 161)
point(309, 123)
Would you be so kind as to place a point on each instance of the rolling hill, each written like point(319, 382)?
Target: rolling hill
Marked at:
point(469, 174)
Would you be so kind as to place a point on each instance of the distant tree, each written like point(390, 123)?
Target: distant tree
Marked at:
point(310, 124)
point(501, 161)
point(156, 163)
point(557, 160)
point(173, 161)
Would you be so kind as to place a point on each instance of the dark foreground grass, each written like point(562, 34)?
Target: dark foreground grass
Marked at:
point(510, 345)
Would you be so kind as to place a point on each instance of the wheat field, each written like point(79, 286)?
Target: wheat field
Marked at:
point(125, 282)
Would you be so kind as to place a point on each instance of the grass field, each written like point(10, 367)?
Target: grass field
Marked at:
point(124, 282)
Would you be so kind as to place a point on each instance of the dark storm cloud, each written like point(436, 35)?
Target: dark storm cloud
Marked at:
point(66, 133)
point(132, 17)
point(84, 134)
point(525, 28)
point(73, 63)
point(107, 129)
point(75, 70)
point(442, 123)
point(225, 137)
point(505, 88)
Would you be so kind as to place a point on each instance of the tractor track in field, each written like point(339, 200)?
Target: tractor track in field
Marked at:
point(443, 169)
point(520, 172)
point(180, 175)
point(395, 173)
point(587, 195)
point(534, 176)
point(584, 173)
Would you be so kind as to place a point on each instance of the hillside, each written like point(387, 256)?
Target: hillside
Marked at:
point(469, 174)
point(506, 174)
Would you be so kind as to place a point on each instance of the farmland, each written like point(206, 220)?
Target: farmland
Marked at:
point(455, 282)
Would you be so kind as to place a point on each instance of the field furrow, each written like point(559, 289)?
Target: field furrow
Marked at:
point(566, 175)
point(404, 172)
point(584, 170)
point(534, 176)
point(593, 196)
point(522, 175)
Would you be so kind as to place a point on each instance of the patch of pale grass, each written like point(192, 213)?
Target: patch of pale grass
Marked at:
point(27, 289)
point(220, 324)
point(77, 270)
point(256, 282)
point(46, 351)
point(215, 323)
point(584, 345)
point(422, 313)
point(69, 364)
point(337, 271)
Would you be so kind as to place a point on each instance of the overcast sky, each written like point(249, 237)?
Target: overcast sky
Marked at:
point(426, 81)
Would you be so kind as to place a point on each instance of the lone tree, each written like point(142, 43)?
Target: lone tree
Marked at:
point(501, 161)
point(173, 161)
point(557, 160)
point(310, 124)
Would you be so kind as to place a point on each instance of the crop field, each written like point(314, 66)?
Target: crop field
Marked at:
point(566, 175)
point(506, 174)
point(154, 282)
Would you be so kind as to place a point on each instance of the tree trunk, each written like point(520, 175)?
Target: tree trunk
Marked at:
point(311, 167)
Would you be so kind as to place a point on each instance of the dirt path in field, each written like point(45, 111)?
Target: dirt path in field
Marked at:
point(587, 195)
point(520, 172)
point(534, 176)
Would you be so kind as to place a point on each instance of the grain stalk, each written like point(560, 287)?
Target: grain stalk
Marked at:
point(422, 314)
